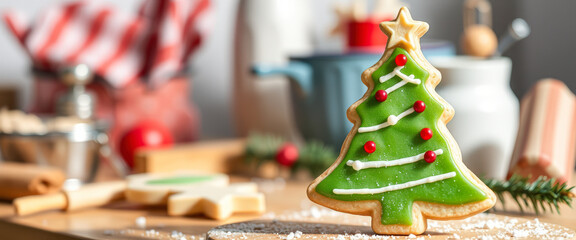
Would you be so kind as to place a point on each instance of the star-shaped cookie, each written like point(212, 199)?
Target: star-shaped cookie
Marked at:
point(217, 202)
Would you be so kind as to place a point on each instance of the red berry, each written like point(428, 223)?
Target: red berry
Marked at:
point(430, 156)
point(287, 155)
point(370, 147)
point(381, 95)
point(401, 60)
point(419, 106)
point(426, 133)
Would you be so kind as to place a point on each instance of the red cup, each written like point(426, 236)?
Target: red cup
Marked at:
point(365, 36)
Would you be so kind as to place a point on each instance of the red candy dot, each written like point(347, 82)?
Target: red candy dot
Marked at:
point(370, 147)
point(426, 133)
point(419, 106)
point(381, 95)
point(430, 156)
point(401, 60)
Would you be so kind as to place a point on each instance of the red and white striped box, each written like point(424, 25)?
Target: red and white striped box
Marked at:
point(546, 141)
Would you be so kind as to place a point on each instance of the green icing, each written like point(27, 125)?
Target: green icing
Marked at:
point(400, 141)
point(179, 180)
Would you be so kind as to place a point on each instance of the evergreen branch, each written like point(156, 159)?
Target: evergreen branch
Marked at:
point(261, 148)
point(314, 156)
point(537, 195)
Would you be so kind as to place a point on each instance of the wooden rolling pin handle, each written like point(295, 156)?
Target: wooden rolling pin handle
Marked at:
point(19, 180)
point(477, 12)
point(91, 195)
point(39, 203)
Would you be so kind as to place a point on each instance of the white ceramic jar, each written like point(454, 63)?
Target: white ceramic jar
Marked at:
point(486, 119)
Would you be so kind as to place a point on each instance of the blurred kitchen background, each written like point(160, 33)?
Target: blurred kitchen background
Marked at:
point(547, 52)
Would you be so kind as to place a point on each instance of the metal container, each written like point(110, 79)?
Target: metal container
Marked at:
point(76, 151)
point(77, 101)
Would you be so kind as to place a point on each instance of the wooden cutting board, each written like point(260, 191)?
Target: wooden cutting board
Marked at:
point(483, 226)
point(218, 156)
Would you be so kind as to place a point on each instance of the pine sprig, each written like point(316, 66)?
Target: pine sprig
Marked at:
point(542, 195)
point(314, 156)
point(261, 148)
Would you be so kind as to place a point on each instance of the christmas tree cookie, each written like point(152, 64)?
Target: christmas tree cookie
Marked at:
point(399, 164)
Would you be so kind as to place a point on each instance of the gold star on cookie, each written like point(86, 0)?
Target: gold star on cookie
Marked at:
point(404, 31)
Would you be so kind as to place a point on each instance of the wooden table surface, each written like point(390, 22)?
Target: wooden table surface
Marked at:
point(118, 220)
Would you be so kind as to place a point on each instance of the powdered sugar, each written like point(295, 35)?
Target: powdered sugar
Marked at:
point(140, 222)
point(294, 235)
point(158, 232)
point(313, 222)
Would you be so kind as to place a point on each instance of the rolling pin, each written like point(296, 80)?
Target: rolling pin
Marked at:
point(478, 38)
point(546, 141)
point(90, 195)
point(18, 180)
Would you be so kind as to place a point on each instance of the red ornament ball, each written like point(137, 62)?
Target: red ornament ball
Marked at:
point(426, 133)
point(430, 156)
point(370, 147)
point(287, 155)
point(144, 134)
point(419, 106)
point(401, 60)
point(381, 95)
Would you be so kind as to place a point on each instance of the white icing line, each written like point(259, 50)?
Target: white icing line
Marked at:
point(406, 113)
point(392, 120)
point(373, 128)
point(395, 86)
point(359, 165)
point(391, 74)
point(409, 79)
point(395, 187)
point(405, 79)
point(396, 72)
